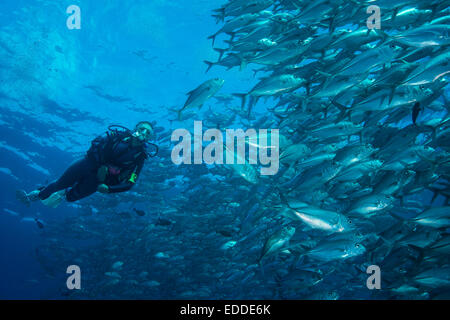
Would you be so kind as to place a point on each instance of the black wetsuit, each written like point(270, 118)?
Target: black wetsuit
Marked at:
point(113, 150)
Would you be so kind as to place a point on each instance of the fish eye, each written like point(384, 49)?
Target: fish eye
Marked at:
point(357, 245)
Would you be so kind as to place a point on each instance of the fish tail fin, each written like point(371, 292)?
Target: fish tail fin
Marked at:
point(213, 37)
point(391, 94)
point(217, 17)
point(436, 193)
point(210, 64)
point(243, 97)
point(251, 103)
point(243, 63)
point(282, 197)
point(308, 88)
point(344, 111)
point(331, 25)
point(420, 250)
point(396, 216)
point(394, 13)
point(415, 112)
point(254, 72)
point(220, 14)
point(178, 112)
point(384, 36)
point(231, 34)
point(303, 258)
point(386, 241)
point(220, 51)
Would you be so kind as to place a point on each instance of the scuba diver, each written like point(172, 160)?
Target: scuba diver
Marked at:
point(112, 164)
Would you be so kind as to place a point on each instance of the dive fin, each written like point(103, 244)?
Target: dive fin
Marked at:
point(55, 199)
point(22, 196)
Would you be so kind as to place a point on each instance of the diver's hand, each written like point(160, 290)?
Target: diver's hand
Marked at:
point(103, 188)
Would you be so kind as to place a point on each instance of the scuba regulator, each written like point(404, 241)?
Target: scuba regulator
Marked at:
point(114, 127)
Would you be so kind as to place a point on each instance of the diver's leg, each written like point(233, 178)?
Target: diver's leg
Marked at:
point(76, 172)
point(82, 189)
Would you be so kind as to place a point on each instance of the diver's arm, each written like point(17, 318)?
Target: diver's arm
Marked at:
point(128, 184)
